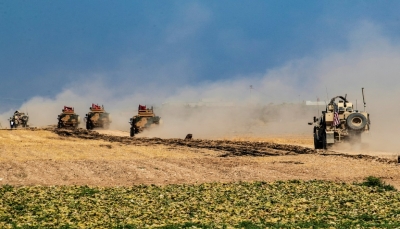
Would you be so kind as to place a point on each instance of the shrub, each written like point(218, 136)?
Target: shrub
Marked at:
point(372, 181)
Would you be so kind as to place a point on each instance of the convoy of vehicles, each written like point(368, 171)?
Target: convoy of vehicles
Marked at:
point(339, 122)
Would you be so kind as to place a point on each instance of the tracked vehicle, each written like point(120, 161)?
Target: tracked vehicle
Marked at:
point(144, 119)
point(68, 118)
point(340, 123)
point(19, 119)
point(97, 118)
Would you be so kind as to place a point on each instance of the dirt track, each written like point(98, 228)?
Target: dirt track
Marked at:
point(65, 157)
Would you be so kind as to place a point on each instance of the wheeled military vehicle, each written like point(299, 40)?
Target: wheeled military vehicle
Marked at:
point(340, 123)
point(144, 119)
point(68, 118)
point(19, 119)
point(97, 117)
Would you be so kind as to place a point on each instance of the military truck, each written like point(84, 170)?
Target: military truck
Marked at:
point(19, 119)
point(340, 122)
point(97, 117)
point(143, 120)
point(68, 118)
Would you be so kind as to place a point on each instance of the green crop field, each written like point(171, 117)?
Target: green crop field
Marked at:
point(289, 204)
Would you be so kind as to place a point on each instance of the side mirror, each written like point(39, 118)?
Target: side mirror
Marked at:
point(315, 119)
point(310, 123)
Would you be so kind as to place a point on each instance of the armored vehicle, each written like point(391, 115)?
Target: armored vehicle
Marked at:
point(339, 123)
point(97, 117)
point(68, 118)
point(19, 119)
point(144, 119)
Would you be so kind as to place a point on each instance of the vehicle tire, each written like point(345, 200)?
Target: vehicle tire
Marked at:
point(132, 132)
point(324, 144)
point(356, 121)
point(317, 144)
point(89, 125)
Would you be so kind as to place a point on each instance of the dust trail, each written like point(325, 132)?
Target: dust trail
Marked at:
point(259, 104)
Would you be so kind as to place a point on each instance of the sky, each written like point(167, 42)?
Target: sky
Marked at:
point(122, 53)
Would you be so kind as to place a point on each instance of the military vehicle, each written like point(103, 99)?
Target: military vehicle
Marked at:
point(340, 123)
point(144, 119)
point(68, 118)
point(19, 119)
point(97, 117)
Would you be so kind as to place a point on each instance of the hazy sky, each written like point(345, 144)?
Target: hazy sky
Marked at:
point(49, 46)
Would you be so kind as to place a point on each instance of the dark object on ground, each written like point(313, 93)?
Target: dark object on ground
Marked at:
point(188, 137)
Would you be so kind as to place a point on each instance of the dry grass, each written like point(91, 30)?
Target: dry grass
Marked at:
point(44, 158)
point(301, 140)
point(24, 145)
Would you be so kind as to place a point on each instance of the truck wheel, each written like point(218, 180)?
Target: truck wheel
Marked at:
point(89, 125)
point(356, 121)
point(132, 132)
point(317, 144)
point(324, 144)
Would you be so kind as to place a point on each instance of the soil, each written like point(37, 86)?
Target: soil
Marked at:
point(51, 156)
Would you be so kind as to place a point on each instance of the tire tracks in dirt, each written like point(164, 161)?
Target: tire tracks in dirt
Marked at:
point(228, 148)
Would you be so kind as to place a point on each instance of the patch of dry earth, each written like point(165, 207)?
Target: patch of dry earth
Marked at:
point(45, 158)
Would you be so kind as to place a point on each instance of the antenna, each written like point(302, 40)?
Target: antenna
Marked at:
point(362, 89)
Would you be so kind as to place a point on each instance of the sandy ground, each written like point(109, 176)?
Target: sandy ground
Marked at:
point(43, 157)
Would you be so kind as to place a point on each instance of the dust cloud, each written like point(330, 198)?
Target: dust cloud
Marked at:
point(263, 104)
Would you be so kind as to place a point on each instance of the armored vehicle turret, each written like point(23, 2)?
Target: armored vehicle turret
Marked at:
point(340, 122)
point(97, 117)
point(68, 118)
point(19, 119)
point(144, 119)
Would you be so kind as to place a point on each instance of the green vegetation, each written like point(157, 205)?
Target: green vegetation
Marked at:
point(289, 204)
point(372, 181)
